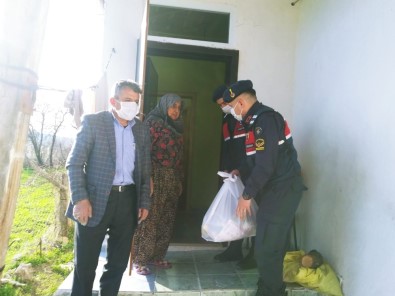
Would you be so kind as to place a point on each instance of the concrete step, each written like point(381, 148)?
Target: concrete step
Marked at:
point(194, 273)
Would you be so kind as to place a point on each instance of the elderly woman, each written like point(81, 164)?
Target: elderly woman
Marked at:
point(152, 237)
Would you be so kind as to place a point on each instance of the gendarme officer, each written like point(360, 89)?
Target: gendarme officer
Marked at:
point(233, 154)
point(272, 176)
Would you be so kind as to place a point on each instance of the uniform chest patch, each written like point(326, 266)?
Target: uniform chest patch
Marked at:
point(260, 144)
point(258, 130)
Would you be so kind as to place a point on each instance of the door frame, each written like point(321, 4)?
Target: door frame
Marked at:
point(230, 57)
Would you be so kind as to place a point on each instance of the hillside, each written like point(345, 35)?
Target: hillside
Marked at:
point(32, 240)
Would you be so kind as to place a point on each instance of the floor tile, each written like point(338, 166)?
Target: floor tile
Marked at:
point(206, 256)
point(194, 272)
point(220, 281)
point(224, 293)
point(246, 271)
point(176, 283)
point(138, 283)
point(178, 269)
point(249, 281)
point(208, 268)
point(180, 257)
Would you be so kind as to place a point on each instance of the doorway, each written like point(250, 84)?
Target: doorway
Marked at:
point(192, 72)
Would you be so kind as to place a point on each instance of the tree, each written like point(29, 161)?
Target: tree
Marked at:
point(47, 121)
point(49, 151)
point(60, 117)
point(36, 136)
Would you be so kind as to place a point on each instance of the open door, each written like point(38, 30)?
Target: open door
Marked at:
point(151, 87)
point(141, 54)
point(192, 72)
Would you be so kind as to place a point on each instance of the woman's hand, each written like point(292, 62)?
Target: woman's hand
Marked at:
point(151, 183)
point(180, 189)
point(143, 213)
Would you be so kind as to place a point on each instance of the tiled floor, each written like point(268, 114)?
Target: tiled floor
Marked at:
point(194, 273)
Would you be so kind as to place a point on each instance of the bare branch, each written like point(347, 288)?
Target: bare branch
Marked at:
point(50, 177)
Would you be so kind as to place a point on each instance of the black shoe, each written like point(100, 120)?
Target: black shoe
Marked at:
point(248, 262)
point(262, 291)
point(228, 255)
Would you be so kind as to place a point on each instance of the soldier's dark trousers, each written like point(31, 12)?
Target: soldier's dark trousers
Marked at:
point(274, 220)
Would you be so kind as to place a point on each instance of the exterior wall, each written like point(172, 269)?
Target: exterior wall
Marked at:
point(339, 99)
point(263, 31)
point(344, 99)
point(122, 25)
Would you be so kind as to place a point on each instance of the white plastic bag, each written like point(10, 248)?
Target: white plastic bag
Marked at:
point(220, 223)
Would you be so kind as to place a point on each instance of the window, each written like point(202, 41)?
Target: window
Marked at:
point(185, 23)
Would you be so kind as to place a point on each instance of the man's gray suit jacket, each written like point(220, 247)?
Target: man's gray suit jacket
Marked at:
point(91, 164)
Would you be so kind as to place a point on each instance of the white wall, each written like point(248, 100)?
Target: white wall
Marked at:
point(122, 25)
point(339, 99)
point(344, 99)
point(262, 30)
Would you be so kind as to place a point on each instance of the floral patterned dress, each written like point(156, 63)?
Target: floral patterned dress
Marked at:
point(153, 235)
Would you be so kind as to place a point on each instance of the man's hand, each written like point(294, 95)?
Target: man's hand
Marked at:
point(143, 213)
point(243, 208)
point(82, 211)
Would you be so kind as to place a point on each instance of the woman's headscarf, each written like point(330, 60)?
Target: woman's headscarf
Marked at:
point(160, 112)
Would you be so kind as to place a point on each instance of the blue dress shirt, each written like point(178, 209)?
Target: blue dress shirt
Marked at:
point(125, 153)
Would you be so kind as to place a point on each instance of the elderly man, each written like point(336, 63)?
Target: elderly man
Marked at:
point(109, 170)
point(272, 176)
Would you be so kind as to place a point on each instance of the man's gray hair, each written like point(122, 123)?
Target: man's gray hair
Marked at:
point(121, 84)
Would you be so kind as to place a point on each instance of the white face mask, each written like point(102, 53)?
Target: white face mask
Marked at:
point(226, 109)
point(128, 110)
point(238, 117)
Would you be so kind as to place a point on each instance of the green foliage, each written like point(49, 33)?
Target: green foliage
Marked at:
point(10, 290)
point(7, 290)
point(31, 239)
point(61, 271)
point(35, 260)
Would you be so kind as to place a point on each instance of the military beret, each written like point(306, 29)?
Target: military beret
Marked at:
point(217, 94)
point(236, 89)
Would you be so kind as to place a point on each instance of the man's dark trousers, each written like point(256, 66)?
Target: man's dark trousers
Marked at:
point(119, 222)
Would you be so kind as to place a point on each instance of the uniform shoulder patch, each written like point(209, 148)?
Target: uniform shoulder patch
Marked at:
point(260, 144)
